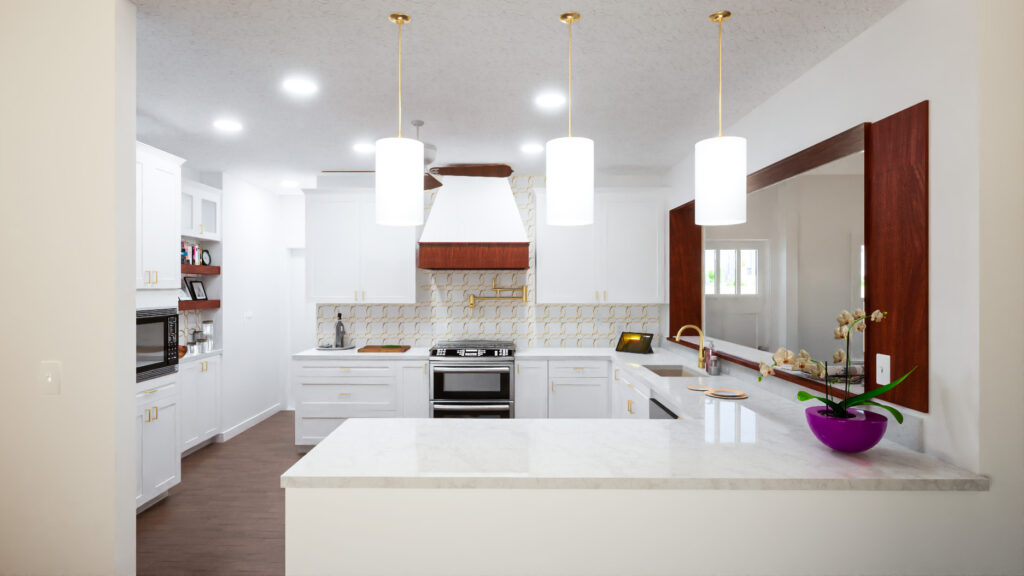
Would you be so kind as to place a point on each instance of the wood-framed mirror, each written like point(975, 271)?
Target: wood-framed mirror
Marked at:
point(840, 224)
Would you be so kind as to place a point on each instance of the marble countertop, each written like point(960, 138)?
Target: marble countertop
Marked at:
point(760, 443)
point(353, 354)
point(200, 356)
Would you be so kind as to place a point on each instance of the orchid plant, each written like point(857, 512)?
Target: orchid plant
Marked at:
point(848, 324)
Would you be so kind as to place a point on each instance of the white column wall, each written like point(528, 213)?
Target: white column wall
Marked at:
point(67, 157)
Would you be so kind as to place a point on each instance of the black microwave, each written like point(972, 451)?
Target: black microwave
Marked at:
point(156, 343)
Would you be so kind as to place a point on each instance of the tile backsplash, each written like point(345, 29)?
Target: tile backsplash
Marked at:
point(442, 308)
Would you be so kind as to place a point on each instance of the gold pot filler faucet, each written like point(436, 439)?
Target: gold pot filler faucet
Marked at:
point(700, 350)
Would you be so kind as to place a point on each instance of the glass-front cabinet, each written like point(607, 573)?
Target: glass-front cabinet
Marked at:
point(200, 210)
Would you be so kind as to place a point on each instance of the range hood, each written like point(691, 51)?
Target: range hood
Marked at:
point(474, 224)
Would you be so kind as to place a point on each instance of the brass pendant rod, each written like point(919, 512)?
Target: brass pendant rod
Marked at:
point(570, 78)
point(719, 78)
point(400, 78)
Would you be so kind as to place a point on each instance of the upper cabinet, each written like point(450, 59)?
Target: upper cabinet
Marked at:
point(157, 218)
point(200, 211)
point(620, 259)
point(352, 259)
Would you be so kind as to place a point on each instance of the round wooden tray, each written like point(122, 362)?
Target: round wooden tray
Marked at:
point(733, 394)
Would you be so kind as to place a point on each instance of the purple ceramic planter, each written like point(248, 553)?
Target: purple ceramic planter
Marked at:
point(855, 434)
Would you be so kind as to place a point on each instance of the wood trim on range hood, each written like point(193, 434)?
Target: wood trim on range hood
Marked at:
point(474, 255)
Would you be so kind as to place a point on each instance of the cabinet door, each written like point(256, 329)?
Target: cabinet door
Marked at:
point(189, 204)
point(161, 466)
point(566, 261)
point(208, 395)
point(388, 259)
point(189, 381)
point(415, 391)
point(332, 248)
point(578, 398)
point(632, 245)
point(208, 212)
point(531, 399)
point(628, 401)
point(141, 417)
point(161, 231)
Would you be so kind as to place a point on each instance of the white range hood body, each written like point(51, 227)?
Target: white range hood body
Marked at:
point(474, 210)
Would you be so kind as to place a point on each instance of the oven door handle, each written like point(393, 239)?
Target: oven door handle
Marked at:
point(451, 369)
point(472, 407)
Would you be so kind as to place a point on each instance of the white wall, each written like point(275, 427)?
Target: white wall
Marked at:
point(967, 58)
point(67, 155)
point(923, 50)
point(253, 306)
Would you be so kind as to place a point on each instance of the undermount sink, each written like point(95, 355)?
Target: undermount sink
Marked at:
point(674, 371)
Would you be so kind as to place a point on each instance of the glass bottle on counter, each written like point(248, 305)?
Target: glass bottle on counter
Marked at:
point(339, 333)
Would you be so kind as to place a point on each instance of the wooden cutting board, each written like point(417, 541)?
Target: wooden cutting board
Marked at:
point(388, 348)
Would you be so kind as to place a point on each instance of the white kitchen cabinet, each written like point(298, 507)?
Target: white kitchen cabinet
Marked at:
point(200, 401)
point(620, 259)
point(415, 390)
point(352, 259)
point(629, 400)
point(200, 211)
point(582, 396)
point(157, 438)
point(531, 393)
point(329, 391)
point(157, 219)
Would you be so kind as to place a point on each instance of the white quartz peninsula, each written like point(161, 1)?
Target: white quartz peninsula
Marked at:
point(420, 496)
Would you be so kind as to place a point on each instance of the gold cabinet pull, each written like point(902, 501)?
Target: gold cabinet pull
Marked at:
point(157, 274)
point(364, 295)
point(605, 295)
point(517, 368)
point(424, 368)
point(344, 393)
point(151, 391)
point(629, 406)
point(156, 412)
point(616, 373)
point(149, 415)
point(597, 295)
point(355, 295)
point(552, 385)
point(344, 368)
point(628, 384)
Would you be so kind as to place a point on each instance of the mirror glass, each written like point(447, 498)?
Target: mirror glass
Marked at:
point(780, 279)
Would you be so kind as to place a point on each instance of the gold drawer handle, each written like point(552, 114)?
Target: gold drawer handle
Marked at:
point(629, 406)
point(153, 391)
point(616, 373)
point(345, 368)
point(628, 384)
point(156, 412)
point(344, 393)
point(149, 415)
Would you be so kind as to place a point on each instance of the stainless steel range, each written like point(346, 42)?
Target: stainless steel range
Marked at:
point(472, 379)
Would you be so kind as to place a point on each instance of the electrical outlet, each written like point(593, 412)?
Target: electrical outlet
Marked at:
point(883, 374)
point(49, 378)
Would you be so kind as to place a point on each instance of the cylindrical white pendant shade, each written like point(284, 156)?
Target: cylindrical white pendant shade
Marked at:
point(570, 181)
point(399, 182)
point(720, 183)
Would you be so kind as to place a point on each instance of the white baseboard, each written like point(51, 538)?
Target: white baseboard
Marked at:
point(248, 423)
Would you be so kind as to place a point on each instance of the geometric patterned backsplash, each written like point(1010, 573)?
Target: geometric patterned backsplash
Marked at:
point(442, 312)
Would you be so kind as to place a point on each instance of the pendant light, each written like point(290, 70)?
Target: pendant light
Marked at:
point(570, 167)
point(720, 166)
point(399, 166)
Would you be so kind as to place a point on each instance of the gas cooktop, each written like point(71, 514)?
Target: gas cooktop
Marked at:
point(474, 348)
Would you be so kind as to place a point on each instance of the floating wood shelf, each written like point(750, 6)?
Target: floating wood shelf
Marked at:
point(198, 304)
point(197, 269)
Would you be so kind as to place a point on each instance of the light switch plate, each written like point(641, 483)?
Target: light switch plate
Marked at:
point(883, 373)
point(49, 378)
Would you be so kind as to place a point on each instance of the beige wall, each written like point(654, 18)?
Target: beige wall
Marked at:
point(67, 112)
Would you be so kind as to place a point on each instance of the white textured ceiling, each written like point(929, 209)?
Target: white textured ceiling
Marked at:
point(644, 83)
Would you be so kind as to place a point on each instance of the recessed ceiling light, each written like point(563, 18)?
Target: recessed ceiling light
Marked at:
point(299, 86)
point(290, 184)
point(364, 147)
point(532, 148)
point(550, 100)
point(228, 125)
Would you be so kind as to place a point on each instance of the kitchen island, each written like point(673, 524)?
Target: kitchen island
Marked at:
point(603, 496)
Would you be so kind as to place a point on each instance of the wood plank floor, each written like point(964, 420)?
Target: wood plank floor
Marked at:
point(227, 515)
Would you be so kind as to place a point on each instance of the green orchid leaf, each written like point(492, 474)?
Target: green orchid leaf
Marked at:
point(861, 398)
point(804, 396)
point(895, 413)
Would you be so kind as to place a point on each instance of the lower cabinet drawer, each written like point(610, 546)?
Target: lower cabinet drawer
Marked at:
point(378, 393)
point(349, 369)
point(578, 369)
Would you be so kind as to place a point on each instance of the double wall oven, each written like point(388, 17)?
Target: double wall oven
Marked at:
point(472, 379)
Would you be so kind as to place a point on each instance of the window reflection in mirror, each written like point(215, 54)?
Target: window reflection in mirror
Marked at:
point(780, 279)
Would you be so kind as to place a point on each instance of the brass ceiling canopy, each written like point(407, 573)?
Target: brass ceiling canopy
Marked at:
point(720, 16)
point(399, 18)
point(570, 17)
